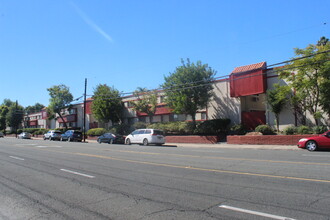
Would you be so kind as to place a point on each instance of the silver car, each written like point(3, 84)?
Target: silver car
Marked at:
point(24, 135)
point(146, 137)
point(1, 135)
point(53, 135)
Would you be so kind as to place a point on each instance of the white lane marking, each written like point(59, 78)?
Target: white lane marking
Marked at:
point(26, 144)
point(315, 155)
point(40, 146)
point(17, 158)
point(74, 172)
point(255, 213)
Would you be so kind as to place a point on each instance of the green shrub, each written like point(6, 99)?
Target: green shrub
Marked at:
point(319, 129)
point(140, 125)
point(304, 130)
point(290, 130)
point(160, 126)
point(215, 126)
point(40, 131)
point(238, 130)
point(96, 131)
point(19, 131)
point(30, 130)
point(264, 129)
point(121, 129)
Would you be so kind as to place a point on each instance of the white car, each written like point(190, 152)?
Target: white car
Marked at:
point(24, 135)
point(146, 137)
point(53, 135)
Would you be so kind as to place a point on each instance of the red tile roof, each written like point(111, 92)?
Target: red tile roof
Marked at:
point(256, 66)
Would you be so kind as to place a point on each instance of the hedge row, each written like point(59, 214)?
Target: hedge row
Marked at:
point(210, 127)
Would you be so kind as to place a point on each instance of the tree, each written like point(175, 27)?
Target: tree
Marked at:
point(34, 108)
point(3, 113)
point(107, 105)
point(8, 103)
point(277, 98)
point(311, 80)
point(60, 98)
point(189, 88)
point(146, 102)
point(15, 116)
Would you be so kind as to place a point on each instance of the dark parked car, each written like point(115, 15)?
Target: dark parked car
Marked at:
point(72, 135)
point(111, 139)
point(1, 135)
point(315, 143)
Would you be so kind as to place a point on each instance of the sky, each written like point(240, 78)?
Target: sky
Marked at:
point(135, 43)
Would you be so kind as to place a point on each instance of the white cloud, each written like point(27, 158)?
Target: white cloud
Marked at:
point(90, 23)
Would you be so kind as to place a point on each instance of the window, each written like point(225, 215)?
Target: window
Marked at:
point(203, 116)
point(129, 104)
point(73, 111)
point(141, 132)
point(162, 99)
point(148, 131)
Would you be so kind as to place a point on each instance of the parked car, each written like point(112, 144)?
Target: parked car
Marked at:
point(1, 135)
point(71, 135)
point(314, 143)
point(111, 139)
point(24, 135)
point(53, 135)
point(146, 137)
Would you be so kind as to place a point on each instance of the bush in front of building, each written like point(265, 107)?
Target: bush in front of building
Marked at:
point(121, 129)
point(238, 129)
point(30, 130)
point(140, 125)
point(319, 129)
point(96, 131)
point(291, 130)
point(214, 127)
point(304, 130)
point(264, 129)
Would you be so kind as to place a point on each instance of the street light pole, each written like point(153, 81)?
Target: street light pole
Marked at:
point(84, 126)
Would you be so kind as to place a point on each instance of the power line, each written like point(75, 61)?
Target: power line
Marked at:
point(225, 78)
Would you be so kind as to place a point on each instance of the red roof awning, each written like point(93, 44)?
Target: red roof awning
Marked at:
point(248, 80)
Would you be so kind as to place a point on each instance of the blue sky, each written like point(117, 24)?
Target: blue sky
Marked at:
point(129, 44)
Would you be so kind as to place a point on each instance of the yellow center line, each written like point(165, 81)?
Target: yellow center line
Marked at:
point(203, 169)
point(223, 158)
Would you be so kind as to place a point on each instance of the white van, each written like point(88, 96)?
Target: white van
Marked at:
point(146, 137)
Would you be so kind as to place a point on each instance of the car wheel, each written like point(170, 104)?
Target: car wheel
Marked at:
point(111, 141)
point(50, 138)
point(61, 139)
point(128, 142)
point(311, 145)
point(99, 141)
point(45, 138)
point(145, 142)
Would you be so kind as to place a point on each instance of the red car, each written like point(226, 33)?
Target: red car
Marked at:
point(317, 142)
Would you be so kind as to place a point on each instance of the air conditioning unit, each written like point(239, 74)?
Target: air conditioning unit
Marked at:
point(255, 98)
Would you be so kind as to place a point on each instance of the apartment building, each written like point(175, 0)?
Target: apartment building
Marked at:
point(241, 97)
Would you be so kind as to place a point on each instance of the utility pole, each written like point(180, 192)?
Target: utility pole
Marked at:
point(84, 126)
point(15, 119)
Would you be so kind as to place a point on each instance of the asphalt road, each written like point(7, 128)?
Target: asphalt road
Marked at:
point(60, 180)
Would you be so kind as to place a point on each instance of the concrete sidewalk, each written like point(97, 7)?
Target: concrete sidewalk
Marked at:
point(217, 145)
point(235, 146)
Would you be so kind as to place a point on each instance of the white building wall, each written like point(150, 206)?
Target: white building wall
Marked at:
point(222, 105)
